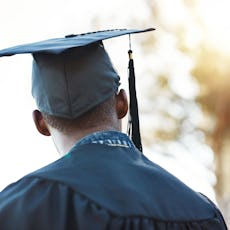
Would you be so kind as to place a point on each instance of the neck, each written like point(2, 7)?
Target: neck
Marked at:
point(64, 142)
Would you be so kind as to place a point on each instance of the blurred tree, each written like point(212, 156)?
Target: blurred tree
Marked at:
point(173, 89)
point(186, 26)
point(214, 97)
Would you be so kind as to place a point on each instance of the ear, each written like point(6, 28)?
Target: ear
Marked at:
point(40, 123)
point(121, 104)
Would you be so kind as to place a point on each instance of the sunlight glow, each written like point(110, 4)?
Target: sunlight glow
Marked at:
point(216, 19)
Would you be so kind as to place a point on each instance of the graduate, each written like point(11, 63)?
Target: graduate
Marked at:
point(102, 180)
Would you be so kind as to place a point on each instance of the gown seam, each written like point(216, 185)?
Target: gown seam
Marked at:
point(114, 214)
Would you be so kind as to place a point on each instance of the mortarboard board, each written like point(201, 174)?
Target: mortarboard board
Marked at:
point(71, 75)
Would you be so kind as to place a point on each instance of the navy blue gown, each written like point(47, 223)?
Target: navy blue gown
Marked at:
point(104, 182)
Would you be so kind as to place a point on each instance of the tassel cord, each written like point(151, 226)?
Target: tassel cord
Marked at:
point(133, 126)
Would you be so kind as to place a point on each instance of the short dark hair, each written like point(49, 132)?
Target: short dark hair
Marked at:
point(100, 113)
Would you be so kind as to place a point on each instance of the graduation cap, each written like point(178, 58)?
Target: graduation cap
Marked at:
point(71, 75)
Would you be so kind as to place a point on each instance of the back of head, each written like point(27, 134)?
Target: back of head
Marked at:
point(74, 74)
point(98, 117)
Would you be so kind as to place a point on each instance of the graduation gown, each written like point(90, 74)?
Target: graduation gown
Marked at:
point(104, 182)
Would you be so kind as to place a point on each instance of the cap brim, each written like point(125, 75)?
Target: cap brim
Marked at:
point(58, 45)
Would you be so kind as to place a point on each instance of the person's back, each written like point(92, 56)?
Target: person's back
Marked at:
point(105, 183)
point(102, 181)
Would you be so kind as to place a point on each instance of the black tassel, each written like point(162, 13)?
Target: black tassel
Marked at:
point(133, 124)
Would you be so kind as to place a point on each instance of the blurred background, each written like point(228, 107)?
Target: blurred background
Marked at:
point(183, 85)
